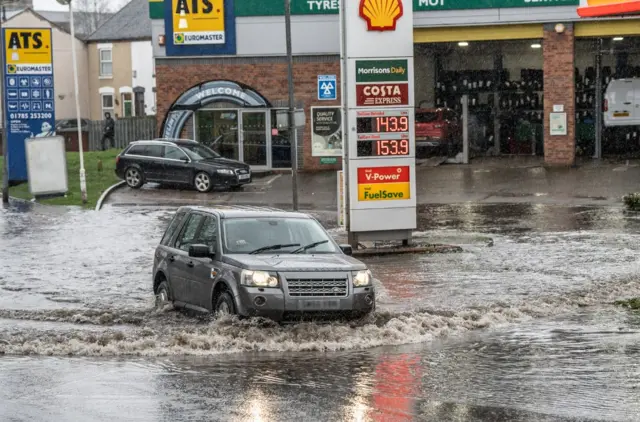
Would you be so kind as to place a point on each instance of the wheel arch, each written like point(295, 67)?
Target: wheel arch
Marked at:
point(159, 278)
point(223, 286)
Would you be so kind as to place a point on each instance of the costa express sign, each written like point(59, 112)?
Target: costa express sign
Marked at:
point(381, 15)
point(384, 183)
point(391, 94)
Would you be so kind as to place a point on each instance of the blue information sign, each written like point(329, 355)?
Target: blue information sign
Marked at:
point(29, 102)
point(327, 87)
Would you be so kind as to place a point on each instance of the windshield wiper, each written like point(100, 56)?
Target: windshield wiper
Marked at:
point(273, 247)
point(309, 246)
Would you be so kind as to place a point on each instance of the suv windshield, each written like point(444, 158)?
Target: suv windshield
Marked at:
point(275, 235)
point(199, 152)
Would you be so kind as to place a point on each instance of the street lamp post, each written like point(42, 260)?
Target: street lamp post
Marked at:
point(5, 146)
point(293, 139)
point(83, 182)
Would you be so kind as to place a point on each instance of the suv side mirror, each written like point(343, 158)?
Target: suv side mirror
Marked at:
point(347, 249)
point(199, 251)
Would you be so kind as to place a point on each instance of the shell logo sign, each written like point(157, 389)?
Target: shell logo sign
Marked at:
point(381, 15)
point(384, 183)
point(596, 8)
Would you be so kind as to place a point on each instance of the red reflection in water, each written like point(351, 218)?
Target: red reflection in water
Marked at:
point(397, 380)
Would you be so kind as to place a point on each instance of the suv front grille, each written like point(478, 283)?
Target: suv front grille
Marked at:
point(317, 287)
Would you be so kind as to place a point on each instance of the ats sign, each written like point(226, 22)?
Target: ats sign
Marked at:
point(381, 15)
point(199, 27)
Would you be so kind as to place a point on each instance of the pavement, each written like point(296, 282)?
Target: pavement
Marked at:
point(519, 179)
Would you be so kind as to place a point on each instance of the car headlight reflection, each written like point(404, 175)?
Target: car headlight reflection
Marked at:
point(362, 278)
point(225, 171)
point(258, 279)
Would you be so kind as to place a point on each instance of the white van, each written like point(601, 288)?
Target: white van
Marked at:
point(622, 102)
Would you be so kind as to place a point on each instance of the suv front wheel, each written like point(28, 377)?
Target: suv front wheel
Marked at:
point(224, 305)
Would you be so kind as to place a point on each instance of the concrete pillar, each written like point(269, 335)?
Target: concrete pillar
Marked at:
point(559, 89)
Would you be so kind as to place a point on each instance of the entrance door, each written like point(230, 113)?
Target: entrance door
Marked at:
point(218, 129)
point(254, 139)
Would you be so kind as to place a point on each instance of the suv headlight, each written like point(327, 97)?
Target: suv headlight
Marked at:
point(225, 171)
point(362, 278)
point(258, 279)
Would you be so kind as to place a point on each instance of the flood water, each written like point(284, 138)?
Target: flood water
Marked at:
point(520, 326)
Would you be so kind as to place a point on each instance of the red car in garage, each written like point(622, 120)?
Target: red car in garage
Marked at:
point(438, 128)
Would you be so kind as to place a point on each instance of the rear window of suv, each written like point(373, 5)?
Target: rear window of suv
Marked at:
point(426, 117)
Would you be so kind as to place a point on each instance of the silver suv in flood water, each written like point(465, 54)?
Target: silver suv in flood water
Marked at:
point(258, 262)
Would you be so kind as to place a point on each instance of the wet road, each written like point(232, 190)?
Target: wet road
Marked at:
point(520, 326)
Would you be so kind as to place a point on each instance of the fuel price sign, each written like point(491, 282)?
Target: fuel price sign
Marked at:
point(383, 133)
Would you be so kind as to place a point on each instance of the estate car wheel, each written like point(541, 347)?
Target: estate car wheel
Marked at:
point(133, 177)
point(162, 295)
point(202, 182)
point(224, 305)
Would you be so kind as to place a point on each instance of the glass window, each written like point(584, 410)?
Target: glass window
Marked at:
point(154, 151)
point(107, 104)
point(189, 232)
point(426, 116)
point(137, 150)
point(209, 233)
point(199, 152)
point(174, 153)
point(218, 129)
point(243, 235)
point(127, 104)
point(106, 63)
point(280, 143)
point(173, 225)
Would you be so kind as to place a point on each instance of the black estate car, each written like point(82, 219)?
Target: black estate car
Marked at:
point(179, 161)
point(256, 261)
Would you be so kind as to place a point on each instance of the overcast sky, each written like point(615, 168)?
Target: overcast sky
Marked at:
point(54, 5)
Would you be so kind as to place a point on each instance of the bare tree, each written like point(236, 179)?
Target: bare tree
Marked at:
point(91, 14)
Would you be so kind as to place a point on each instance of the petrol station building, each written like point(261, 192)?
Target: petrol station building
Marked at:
point(527, 66)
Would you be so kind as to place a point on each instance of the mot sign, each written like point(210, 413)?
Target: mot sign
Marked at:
point(377, 60)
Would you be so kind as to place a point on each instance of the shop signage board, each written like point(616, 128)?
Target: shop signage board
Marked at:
point(558, 124)
point(327, 87)
point(29, 86)
point(326, 132)
point(199, 27)
point(247, 8)
point(377, 65)
point(599, 8)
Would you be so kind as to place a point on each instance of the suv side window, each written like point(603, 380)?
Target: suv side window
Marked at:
point(174, 153)
point(208, 234)
point(173, 226)
point(188, 235)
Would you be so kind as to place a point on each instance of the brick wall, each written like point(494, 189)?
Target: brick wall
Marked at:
point(266, 76)
point(559, 89)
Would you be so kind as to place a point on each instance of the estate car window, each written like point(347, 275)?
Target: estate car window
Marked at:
point(173, 225)
point(136, 150)
point(208, 234)
point(174, 153)
point(187, 237)
point(200, 152)
point(154, 151)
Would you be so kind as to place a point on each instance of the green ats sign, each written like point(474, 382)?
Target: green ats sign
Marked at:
point(244, 8)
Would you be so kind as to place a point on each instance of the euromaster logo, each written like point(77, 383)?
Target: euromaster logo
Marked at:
point(381, 15)
point(384, 183)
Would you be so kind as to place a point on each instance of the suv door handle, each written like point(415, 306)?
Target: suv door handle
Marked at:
point(190, 264)
point(172, 258)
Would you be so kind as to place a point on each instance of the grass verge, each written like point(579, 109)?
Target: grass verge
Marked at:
point(98, 180)
point(629, 303)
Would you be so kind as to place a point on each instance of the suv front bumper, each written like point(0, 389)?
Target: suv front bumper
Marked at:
point(278, 306)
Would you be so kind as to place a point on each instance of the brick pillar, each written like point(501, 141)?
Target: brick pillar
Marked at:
point(559, 89)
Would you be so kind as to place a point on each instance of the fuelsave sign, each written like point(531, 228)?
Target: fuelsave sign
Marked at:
point(384, 183)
